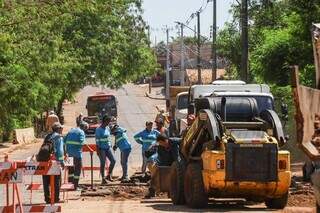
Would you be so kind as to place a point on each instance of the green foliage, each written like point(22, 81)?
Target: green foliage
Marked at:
point(279, 37)
point(228, 46)
point(51, 49)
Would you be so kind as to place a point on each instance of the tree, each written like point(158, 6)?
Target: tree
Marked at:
point(51, 49)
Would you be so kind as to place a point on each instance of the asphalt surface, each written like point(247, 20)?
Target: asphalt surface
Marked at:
point(134, 110)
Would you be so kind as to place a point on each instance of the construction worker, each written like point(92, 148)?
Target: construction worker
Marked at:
point(58, 153)
point(146, 138)
point(123, 143)
point(104, 150)
point(160, 127)
point(51, 119)
point(167, 151)
point(74, 141)
point(79, 119)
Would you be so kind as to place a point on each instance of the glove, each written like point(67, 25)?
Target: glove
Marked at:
point(114, 148)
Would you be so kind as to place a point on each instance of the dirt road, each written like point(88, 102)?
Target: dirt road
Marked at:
point(134, 110)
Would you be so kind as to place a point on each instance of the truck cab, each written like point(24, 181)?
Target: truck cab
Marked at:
point(181, 110)
point(223, 86)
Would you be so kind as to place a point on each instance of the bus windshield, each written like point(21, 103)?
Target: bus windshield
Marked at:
point(102, 105)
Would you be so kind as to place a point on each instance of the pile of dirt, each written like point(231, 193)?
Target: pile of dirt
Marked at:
point(301, 193)
point(117, 192)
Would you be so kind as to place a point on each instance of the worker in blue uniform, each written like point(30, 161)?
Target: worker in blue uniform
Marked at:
point(58, 153)
point(74, 141)
point(146, 138)
point(122, 142)
point(104, 148)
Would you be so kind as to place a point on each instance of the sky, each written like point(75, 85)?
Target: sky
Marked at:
point(159, 13)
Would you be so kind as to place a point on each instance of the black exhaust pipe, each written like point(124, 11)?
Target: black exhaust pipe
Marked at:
point(223, 109)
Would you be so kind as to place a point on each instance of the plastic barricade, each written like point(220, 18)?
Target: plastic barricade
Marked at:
point(91, 148)
point(12, 173)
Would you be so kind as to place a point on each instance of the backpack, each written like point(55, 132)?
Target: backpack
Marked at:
point(46, 149)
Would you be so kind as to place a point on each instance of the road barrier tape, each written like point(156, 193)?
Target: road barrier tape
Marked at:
point(5, 166)
point(40, 168)
point(13, 172)
point(33, 186)
point(9, 173)
point(36, 208)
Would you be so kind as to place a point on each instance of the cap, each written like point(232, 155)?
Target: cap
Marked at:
point(84, 125)
point(56, 126)
point(149, 123)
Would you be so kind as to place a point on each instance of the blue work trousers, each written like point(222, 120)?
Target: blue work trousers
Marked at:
point(106, 153)
point(124, 162)
point(75, 171)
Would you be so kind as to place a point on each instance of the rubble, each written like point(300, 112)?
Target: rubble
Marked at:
point(301, 193)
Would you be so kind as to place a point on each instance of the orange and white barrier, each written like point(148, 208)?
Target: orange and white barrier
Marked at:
point(91, 148)
point(12, 173)
point(35, 208)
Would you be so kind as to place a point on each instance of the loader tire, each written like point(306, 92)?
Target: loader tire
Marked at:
point(177, 183)
point(194, 192)
point(277, 203)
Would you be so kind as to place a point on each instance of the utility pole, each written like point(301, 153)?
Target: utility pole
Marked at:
point(214, 40)
point(149, 39)
point(167, 67)
point(182, 66)
point(244, 40)
point(199, 44)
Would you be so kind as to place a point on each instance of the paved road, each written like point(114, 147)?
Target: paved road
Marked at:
point(134, 110)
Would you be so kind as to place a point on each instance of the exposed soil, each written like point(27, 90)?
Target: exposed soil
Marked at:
point(118, 192)
point(301, 193)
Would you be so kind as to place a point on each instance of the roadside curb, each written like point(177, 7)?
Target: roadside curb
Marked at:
point(155, 98)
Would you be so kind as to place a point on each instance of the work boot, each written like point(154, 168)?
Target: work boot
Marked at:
point(103, 182)
point(150, 194)
point(125, 180)
point(109, 178)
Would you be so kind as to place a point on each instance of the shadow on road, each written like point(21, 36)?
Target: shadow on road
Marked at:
point(168, 207)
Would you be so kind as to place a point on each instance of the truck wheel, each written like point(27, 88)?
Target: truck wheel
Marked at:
point(277, 203)
point(177, 183)
point(194, 192)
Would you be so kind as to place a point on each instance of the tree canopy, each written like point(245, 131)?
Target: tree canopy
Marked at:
point(51, 49)
point(279, 36)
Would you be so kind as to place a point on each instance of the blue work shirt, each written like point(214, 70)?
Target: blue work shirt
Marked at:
point(146, 138)
point(103, 138)
point(122, 141)
point(58, 146)
point(74, 142)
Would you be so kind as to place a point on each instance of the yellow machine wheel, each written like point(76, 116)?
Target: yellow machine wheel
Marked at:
point(277, 203)
point(177, 183)
point(195, 194)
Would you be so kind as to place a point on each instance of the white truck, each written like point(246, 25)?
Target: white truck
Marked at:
point(185, 100)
